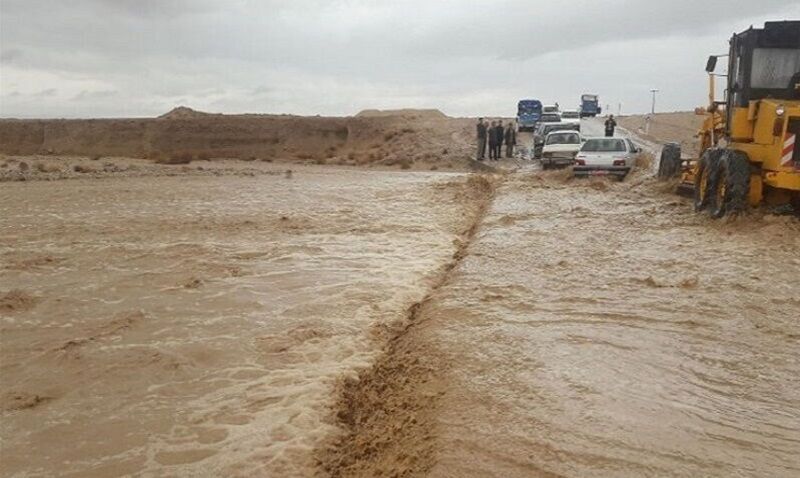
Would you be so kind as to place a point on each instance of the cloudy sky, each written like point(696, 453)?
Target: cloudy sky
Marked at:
point(114, 58)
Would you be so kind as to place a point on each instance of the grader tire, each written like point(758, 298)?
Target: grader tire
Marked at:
point(704, 178)
point(669, 165)
point(731, 184)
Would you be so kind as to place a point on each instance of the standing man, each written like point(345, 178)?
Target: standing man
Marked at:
point(492, 139)
point(511, 139)
point(610, 126)
point(500, 131)
point(481, 139)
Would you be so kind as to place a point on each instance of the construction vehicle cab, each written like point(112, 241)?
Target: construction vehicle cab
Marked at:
point(747, 147)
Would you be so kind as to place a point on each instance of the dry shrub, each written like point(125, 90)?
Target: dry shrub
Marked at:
point(434, 168)
point(304, 156)
point(407, 130)
point(180, 157)
point(79, 168)
point(267, 160)
point(203, 156)
point(95, 157)
point(23, 166)
point(43, 167)
point(320, 161)
point(445, 151)
point(351, 155)
point(405, 163)
point(389, 136)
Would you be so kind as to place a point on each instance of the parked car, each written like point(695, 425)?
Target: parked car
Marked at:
point(606, 156)
point(570, 115)
point(560, 148)
point(543, 129)
point(550, 118)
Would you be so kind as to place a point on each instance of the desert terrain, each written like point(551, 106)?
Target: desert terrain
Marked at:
point(205, 295)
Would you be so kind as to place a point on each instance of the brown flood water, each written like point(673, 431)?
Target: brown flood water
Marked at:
point(598, 329)
point(194, 326)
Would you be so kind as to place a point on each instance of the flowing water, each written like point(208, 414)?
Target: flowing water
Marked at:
point(195, 326)
point(600, 329)
point(202, 327)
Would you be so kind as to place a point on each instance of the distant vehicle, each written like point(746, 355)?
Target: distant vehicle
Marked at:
point(606, 156)
point(550, 118)
point(551, 108)
point(560, 148)
point(529, 113)
point(590, 106)
point(543, 129)
point(570, 115)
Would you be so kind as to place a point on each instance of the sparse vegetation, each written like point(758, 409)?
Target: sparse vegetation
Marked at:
point(80, 168)
point(180, 157)
point(43, 167)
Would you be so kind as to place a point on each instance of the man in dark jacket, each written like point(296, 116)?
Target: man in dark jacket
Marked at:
point(511, 139)
point(481, 139)
point(499, 132)
point(610, 126)
point(492, 139)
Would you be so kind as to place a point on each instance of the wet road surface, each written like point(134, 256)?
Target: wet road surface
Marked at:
point(600, 329)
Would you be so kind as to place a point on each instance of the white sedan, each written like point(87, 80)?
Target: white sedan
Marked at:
point(606, 156)
point(560, 148)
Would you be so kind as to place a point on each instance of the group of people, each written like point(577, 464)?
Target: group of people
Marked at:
point(496, 135)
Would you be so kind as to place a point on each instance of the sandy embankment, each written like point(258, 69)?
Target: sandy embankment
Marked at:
point(404, 139)
point(678, 127)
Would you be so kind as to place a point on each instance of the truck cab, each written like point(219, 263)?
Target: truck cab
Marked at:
point(529, 112)
point(590, 106)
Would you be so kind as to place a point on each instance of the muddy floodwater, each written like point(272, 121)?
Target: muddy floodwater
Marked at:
point(336, 322)
point(194, 326)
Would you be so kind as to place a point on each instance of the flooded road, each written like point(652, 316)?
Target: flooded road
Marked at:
point(337, 322)
point(600, 329)
point(195, 326)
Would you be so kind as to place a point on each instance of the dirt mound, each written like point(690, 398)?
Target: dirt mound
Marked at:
point(678, 127)
point(183, 112)
point(397, 138)
point(406, 112)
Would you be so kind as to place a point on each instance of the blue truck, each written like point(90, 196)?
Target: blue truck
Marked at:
point(529, 112)
point(590, 106)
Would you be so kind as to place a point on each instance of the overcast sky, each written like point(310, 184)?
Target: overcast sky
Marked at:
point(116, 58)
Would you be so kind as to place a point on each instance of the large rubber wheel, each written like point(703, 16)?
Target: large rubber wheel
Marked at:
point(669, 165)
point(731, 184)
point(703, 179)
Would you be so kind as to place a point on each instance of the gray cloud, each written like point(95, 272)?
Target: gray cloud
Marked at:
point(336, 57)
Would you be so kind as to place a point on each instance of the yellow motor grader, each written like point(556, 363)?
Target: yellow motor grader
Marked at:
point(747, 141)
